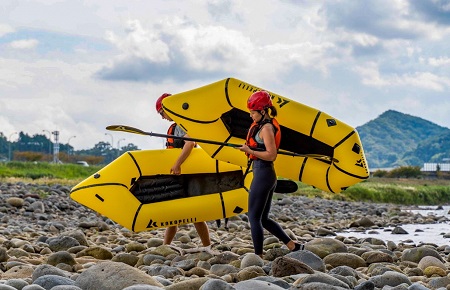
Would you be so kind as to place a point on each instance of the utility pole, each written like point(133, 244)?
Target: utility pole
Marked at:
point(68, 144)
point(118, 146)
point(56, 147)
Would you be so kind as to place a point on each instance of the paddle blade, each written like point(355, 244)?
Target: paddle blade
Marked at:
point(286, 186)
point(124, 128)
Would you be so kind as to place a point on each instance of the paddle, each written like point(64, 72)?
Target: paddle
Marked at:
point(129, 129)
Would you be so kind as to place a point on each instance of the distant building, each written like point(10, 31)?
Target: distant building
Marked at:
point(433, 167)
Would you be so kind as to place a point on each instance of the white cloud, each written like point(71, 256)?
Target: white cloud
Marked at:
point(197, 47)
point(24, 44)
point(439, 61)
point(213, 47)
point(5, 29)
point(282, 57)
point(140, 43)
point(187, 48)
point(364, 39)
point(371, 76)
point(14, 74)
point(425, 80)
point(55, 95)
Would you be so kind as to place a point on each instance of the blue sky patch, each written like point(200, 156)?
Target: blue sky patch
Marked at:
point(57, 42)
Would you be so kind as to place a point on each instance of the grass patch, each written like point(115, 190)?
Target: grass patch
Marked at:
point(45, 173)
point(389, 190)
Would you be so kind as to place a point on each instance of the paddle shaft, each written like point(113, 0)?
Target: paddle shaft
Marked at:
point(129, 129)
point(195, 140)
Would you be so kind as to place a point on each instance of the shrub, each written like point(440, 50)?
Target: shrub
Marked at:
point(28, 156)
point(380, 173)
point(405, 172)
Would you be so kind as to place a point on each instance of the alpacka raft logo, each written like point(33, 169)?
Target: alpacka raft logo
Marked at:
point(154, 224)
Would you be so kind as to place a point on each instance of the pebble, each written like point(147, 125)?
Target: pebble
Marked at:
point(50, 242)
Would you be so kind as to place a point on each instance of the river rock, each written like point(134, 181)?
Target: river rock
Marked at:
point(47, 269)
point(62, 243)
point(251, 259)
point(377, 257)
point(216, 284)
point(428, 261)
point(113, 276)
point(325, 246)
point(256, 284)
point(50, 281)
point(63, 257)
point(190, 284)
point(416, 254)
point(390, 278)
point(100, 253)
point(344, 259)
point(286, 266)
point(320, 278)
point(309, 258)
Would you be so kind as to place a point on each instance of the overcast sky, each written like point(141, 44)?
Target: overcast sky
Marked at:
point(79, 66)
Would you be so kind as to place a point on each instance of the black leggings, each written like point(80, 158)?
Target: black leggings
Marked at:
point(259, 201)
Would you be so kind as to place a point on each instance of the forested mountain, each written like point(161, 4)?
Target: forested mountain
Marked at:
point(434, 149)
point(397, 139)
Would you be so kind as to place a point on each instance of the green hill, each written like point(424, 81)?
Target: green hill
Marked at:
point(433, 149)
point(397, 139)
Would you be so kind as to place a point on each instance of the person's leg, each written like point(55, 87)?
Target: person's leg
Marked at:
point(270, 225)
point(203, 233)
point(170, 234)
point(275, 229)
point(256, 202)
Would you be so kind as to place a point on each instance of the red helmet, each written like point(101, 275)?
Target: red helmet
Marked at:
point(259, 101)
point(159, 101)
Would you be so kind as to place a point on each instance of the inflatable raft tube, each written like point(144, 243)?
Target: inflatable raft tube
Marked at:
point(138, 192)
point(218, 112)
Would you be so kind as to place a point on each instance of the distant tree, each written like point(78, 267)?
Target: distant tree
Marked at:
point(28, 156)
point(101, 153)
point(405, 172)
point(4, 147)
point(380, 173)
point(130, 147)
point(103, 149)
point(35, 143)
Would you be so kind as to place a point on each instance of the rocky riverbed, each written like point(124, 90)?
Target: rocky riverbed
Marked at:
point(49, 241)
